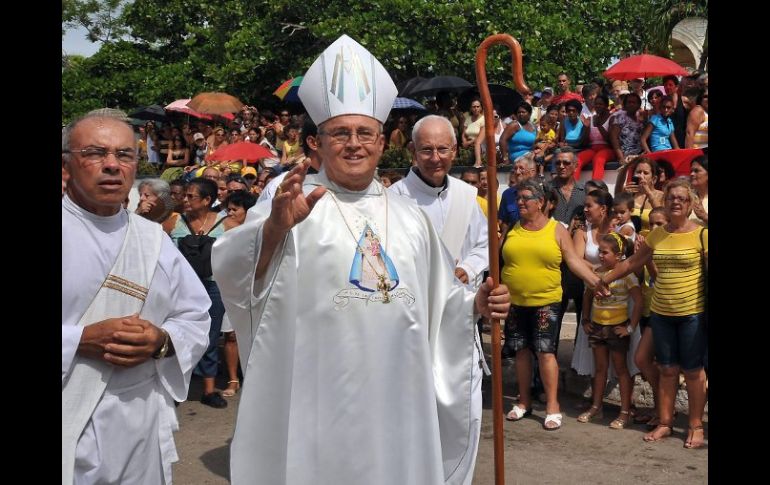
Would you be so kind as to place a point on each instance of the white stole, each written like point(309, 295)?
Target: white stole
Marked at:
point(122, 293)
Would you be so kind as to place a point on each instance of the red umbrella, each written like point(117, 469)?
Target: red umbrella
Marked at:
point(243, 150)
point(644, 65)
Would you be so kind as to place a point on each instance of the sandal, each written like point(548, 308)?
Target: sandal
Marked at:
point(655, 421)
point(517, 413)
point(231, 391)
point(691, 443)
point(654, 434)
point(594, 412)
point(621, 421)
point(552, 418)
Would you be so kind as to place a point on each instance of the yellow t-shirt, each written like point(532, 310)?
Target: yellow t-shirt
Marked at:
point(473, 128)
point(613, 309)
point(546, 136)
point(290, 149)
point(484, 205)
point(680, 284)
point(531, 262)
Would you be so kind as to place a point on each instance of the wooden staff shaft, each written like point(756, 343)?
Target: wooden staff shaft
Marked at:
point(494, 250)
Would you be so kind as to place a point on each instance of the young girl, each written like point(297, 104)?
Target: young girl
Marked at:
point(644, 358)
point(609, 329)
point(622, 206)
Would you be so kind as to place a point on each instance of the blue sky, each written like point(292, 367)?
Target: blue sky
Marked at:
point(75, 42)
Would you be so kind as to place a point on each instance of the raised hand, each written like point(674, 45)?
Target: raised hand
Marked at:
point(290, 205)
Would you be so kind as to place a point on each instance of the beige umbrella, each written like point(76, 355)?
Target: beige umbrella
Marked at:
point(215, 103)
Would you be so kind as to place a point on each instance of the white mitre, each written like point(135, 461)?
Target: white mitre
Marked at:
point(347, 79)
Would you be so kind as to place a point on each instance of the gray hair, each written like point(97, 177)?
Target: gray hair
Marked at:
point(421, 121)
point(66, 133)
point(528, 158)
point(532, 186)
point(162, 190)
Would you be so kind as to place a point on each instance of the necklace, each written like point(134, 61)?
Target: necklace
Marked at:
point(382, 281)
point(203, 224)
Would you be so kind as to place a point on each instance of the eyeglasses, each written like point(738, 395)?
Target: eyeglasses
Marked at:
point(365, 137)
point(231, 191)
point(443, 152)
point(562, 163)
point(677, 198)
point(527, 197)
point(94, 155)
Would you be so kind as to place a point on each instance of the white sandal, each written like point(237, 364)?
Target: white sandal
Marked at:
point(552, 418)
point(517, 412)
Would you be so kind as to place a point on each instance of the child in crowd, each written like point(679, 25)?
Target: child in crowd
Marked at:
point(609, 329)
point(645, 352)
point(544, 143)
point(622, 206)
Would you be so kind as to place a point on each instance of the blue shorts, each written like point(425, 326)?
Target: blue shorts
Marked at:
point(679, 340)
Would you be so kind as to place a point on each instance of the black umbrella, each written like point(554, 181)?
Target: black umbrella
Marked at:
point(431, 86)
point(405, 87)
point(505, 98)
point(153, 112)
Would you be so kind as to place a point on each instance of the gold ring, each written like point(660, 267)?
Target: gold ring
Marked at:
point(279, 190)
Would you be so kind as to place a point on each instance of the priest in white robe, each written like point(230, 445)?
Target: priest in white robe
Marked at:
point(361, 338)
point(134, 318)
point(451, 206)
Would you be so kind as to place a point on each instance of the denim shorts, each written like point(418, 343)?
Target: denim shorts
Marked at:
point(536, 328)
point(679, 340)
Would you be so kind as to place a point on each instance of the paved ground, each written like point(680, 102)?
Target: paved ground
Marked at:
point(577, 453)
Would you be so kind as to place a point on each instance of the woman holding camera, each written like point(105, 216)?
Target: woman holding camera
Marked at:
point(642, 186)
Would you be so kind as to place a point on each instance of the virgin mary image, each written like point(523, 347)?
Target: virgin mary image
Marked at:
point(372, 269)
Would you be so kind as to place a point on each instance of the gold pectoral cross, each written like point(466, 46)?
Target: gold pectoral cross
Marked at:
point(382, 286)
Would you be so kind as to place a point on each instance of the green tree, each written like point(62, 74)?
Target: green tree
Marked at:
point(101, 18)
point(247, 48)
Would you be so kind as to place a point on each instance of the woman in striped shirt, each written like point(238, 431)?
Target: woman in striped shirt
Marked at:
point(679, 250)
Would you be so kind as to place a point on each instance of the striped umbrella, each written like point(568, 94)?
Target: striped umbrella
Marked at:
point(288, 90)
point(406, 103)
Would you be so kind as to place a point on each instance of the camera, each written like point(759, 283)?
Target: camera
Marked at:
point(635, 180)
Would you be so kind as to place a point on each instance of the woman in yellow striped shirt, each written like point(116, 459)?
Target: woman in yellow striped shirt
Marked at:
point(680, 252)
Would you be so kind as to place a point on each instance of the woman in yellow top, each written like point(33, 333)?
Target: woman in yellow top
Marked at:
point(642, 186)
point(291, 148)
point(679, 250)
point(398, 136)
point(532, 253)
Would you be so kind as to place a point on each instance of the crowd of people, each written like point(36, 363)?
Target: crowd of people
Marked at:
point(314, 332)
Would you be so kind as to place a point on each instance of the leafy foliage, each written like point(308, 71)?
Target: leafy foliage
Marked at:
point(247, 47)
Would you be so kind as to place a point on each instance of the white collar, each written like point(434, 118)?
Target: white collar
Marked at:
point(419, 184)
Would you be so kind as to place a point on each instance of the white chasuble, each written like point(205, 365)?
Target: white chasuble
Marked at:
point(340, 386)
